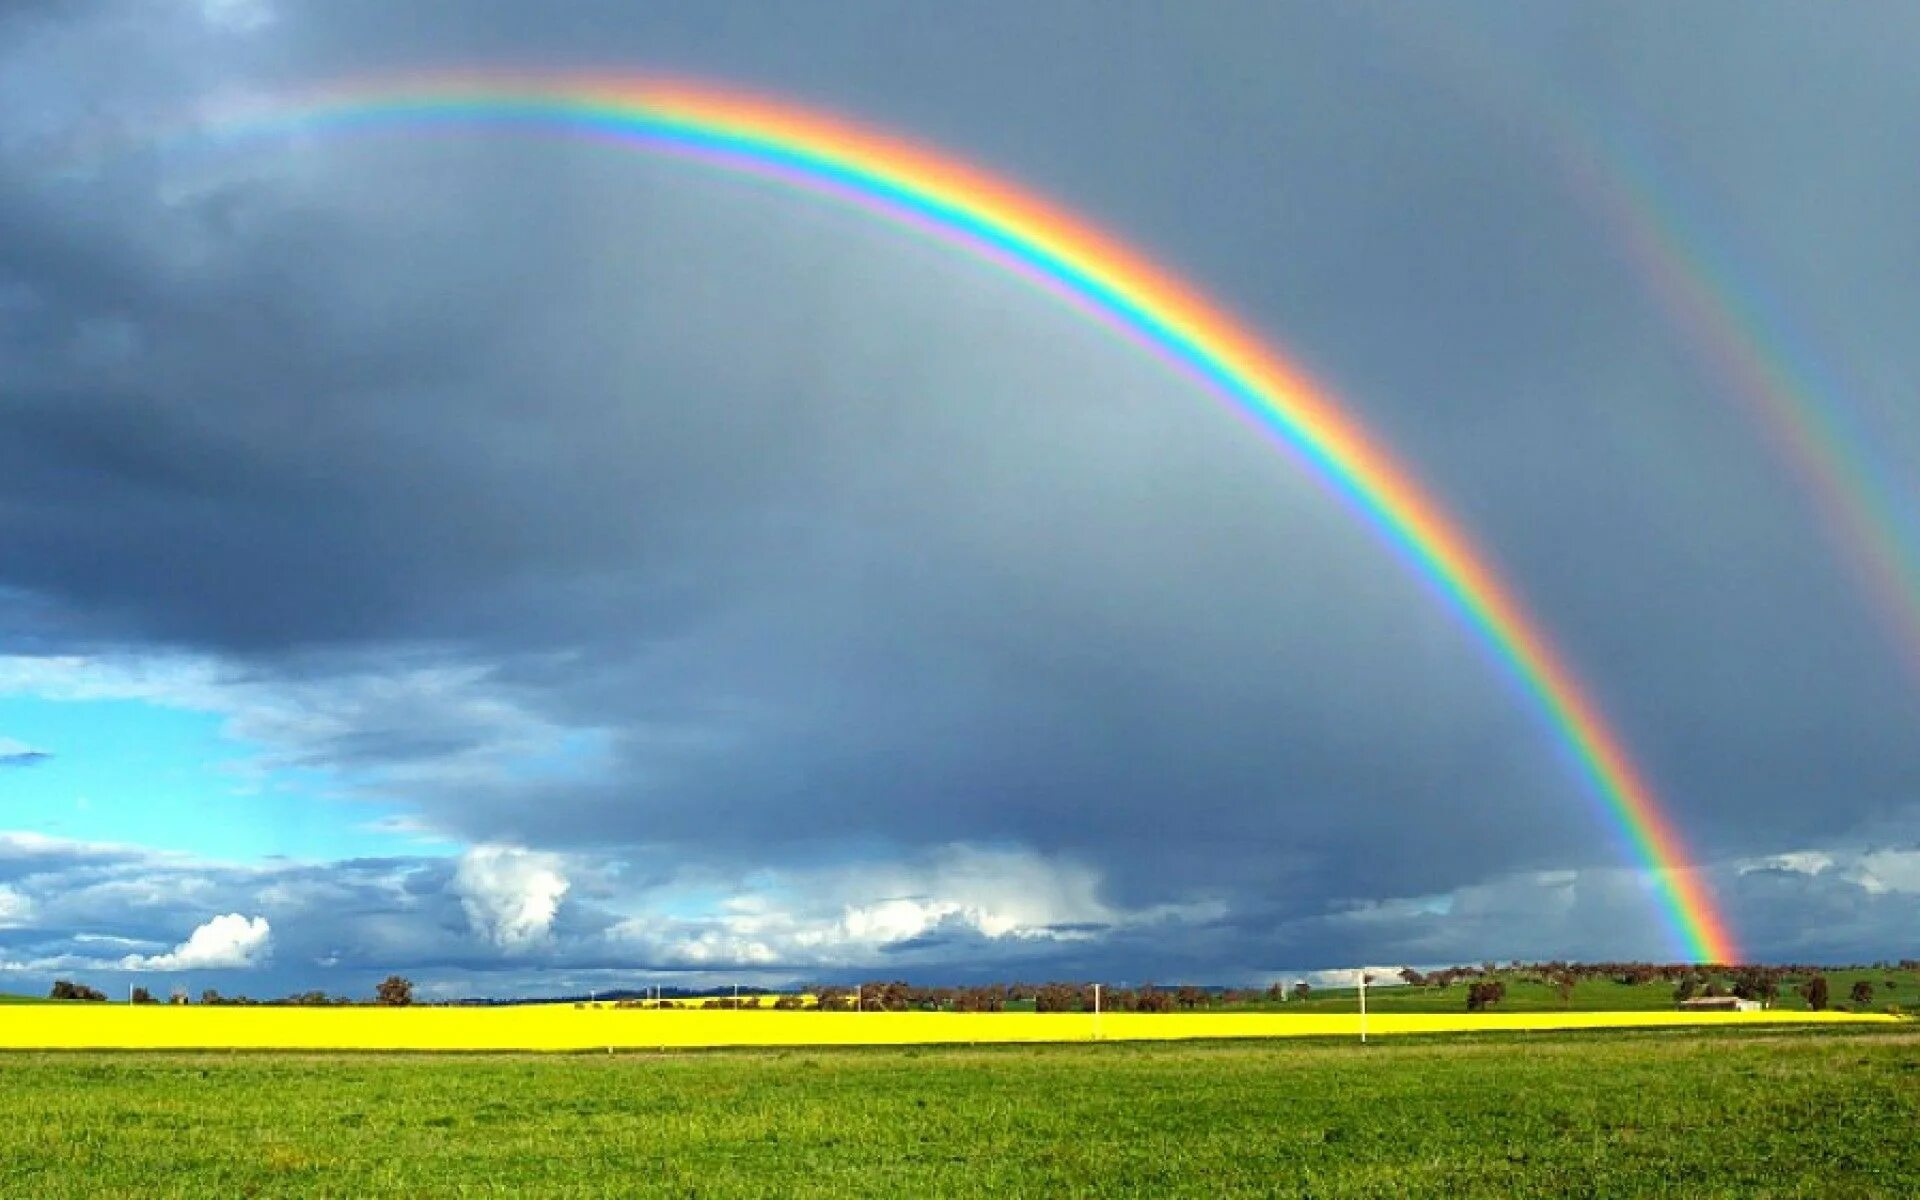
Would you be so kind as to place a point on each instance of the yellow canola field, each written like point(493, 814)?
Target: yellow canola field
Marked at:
point(564, 1027)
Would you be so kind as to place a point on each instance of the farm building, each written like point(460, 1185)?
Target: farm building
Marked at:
point(1718, 1004)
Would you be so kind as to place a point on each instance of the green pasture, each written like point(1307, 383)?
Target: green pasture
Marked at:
point(1526, 994)
point(1735, 1113)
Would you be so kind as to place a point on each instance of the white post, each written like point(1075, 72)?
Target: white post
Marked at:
point(1363, 1006)
point(1096, 1012)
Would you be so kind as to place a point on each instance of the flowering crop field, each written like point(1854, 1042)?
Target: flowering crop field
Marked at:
point(591, 1027)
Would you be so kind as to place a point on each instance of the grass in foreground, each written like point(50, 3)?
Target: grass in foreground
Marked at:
point(1826, 1112)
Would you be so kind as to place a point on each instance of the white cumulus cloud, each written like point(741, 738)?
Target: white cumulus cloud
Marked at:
point(18, 753)
point(510, 895)
point(839, 917)
point(15, 908)
point(241, 16)
point(1891, 870)
point(225, 943)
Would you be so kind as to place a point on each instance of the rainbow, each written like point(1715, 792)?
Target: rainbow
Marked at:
point(991, 218)
point(1752, 356)
point(1740, 334)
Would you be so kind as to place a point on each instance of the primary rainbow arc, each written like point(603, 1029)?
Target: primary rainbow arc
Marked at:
point(989, 216)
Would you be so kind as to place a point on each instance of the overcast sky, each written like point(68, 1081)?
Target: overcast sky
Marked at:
point(530, 565)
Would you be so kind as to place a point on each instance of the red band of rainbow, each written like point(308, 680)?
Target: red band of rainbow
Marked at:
point(989, 216)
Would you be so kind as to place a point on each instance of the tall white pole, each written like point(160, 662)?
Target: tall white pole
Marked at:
point(1096, 1012)
point(1363, 1006)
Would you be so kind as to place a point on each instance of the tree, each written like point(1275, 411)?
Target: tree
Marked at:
point(1151, 999)
point(1683, 991)
point(1564, 986)
point(1815, 992)
point(211, 996)
point(979, 999)
point(1862, 993)
point(143, 996)
point(1411, 977)
point(1480, 995)
point(394, 992)
point(1769, 988)
point(1301, 991)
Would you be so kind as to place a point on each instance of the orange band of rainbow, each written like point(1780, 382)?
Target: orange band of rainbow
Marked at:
point(989, 216)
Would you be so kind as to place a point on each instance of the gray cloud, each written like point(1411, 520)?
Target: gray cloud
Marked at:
point(18, 754)
point(784, 541)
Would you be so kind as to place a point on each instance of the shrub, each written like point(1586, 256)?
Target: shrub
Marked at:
point(1481, 995)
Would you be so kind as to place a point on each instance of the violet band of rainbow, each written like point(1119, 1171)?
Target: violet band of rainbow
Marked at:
point(1067, 255)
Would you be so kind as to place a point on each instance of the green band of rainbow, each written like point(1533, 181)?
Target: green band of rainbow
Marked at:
point(1797, 397)
point(1770, 370)
point(991, 217)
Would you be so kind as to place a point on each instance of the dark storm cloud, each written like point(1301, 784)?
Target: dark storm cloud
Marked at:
point(836, 546)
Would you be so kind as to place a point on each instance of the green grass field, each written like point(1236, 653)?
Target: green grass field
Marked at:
point(1890, 986)
point(1824, 1112)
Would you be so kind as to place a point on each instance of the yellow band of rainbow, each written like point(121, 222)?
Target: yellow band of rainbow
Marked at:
point(777, 140)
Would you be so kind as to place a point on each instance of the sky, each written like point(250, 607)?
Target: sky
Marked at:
point(532, 566)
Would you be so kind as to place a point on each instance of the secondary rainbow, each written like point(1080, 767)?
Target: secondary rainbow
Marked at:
point(1743, 336)
point(773, 139)
point(1771, 373)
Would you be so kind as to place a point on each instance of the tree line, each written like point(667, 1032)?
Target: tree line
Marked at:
point(1486, 987)
point(394, 991)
